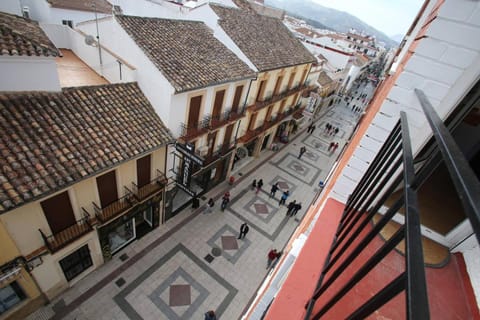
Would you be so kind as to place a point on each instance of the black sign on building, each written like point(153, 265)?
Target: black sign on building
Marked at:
point(189, 160)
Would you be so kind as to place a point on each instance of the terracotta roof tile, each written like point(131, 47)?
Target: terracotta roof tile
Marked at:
point(102, 6)
point(49, 140)
point(186, 52)
point(23, 37)
point(266, 41)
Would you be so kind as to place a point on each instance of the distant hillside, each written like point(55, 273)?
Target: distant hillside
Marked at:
point(333, 19)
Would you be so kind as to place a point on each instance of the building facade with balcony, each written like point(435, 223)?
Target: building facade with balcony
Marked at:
point(197, 86)
point(19, 294)
point(83, 175)
point(405, 189)
point(282, 64)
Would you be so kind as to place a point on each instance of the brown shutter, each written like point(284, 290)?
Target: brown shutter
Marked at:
point(261, 88)
point(211, 142)
point(251, 124)
point(228, 134)
point(59, 212)
point(236, 98)
point(194, 111)
point(278, 85)
point(290, 81)
point(143, 171)
point(107, 188)
point(217, 105)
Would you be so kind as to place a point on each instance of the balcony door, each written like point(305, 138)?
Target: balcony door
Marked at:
point(211, 142)
point(59, 212)
point(290, 80)
point(217, 105)
point(228, 136)
point(251, 124)
point(143, 171)
point(278, 85)
point(107, 188)
point(194, 112)
point(236, 98)
point(261, 89)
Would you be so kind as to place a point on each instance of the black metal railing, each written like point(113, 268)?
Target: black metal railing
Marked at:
point(155, 185)
point(375, 187)
point(115, 208)
point(195, 129)
point(62, 238)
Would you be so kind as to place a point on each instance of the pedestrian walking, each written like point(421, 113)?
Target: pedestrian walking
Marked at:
point(332, 144)
point(332, 131)
point(284, 197)
point(243, 230)
point(225, 200)
point(309, 128)
point(273, 190)
point(326, 127)
point(335, 146)
point(291, 207)
point(302, 151)
point(210, 205)
point(297, 207)
point(353, 108)
point(336, 131)
point(254, 184)
point(272, 256)
point(210, 315)
point(313, 129)
point(259, 186)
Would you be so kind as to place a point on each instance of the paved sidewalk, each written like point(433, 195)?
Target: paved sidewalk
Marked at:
point(195, 262)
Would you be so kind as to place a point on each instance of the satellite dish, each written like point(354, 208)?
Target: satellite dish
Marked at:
point(90, 40)
point(242, 152)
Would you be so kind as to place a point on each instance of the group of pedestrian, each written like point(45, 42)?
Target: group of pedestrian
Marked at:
point(333, 146)
point(293, 208)
point(331, 130)
point(311, 128)
point(356, 109)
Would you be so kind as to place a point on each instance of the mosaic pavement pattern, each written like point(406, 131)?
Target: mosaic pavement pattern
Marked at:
point(226, 239)
point(168, 291)
point(298, 168)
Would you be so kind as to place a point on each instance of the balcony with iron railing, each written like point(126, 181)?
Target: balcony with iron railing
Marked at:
point(115, 208)
point(62, 238)
point(154, 186)
point(188, 133)
point(360, 275)
point(226, 117)
point(272, 98)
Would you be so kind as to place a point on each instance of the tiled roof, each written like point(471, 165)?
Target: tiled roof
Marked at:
point(264, 40)
point(102, 6)
point(23, 37)
point(324, 79)
point(50, 140)
point(186, 52)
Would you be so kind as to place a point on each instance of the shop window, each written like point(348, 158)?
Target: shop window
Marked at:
point(76, 263)
point(10, 296)
point(121, 235)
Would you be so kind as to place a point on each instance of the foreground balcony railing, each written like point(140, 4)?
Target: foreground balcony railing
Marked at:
point(157, 184)
point(352, 237)
point(116, 208)
point(194, 130)
point(225, 117)
point(62, 238)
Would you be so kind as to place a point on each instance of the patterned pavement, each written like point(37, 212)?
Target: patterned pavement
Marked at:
point(195, 262)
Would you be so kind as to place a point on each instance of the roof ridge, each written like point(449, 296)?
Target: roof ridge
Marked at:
point(159, 18)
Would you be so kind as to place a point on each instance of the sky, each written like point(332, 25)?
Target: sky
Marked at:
point(389, 16)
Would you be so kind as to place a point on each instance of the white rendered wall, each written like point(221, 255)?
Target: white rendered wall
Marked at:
point(41, 11)
point(11, 6)
point(28, 73)
point(153, 84)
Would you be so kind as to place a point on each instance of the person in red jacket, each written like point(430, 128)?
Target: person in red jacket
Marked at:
point(272, 256)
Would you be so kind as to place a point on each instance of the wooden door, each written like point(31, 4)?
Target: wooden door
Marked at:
point(217, 105)
point(278, 85)
point(236, 98)
point(269, 113)
point(59, 212)
point(107, 188)
point(143, 171)
point(211, 142)
point(228, 136)
point(194, 111)
point(290, 81)
point(261, 88)
point(251, 124)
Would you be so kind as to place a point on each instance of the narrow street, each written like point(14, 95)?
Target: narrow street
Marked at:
point(194, 262)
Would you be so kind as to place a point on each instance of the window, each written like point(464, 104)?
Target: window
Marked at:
point(59, 212)
point(10, 296)
point(68, 23)
point(76, 263)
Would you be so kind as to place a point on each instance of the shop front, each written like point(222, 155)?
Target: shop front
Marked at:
point(143, 218)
